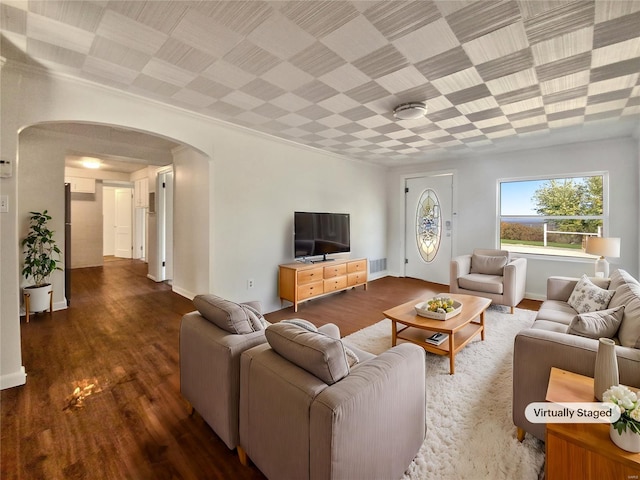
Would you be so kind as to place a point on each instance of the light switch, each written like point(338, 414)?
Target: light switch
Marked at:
point(4, 203)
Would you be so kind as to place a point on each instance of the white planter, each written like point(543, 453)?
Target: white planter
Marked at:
point(39, 298)
point(628, 441)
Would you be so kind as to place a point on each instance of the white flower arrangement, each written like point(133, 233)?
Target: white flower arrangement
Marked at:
point(629, 405)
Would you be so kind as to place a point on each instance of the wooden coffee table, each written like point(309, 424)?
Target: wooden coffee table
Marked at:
point(461, 329)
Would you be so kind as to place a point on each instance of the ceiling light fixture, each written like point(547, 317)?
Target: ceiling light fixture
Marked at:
point(410, 111)
point(89, 162)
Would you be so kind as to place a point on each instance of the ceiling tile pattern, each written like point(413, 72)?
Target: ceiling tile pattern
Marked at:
point(328, 73)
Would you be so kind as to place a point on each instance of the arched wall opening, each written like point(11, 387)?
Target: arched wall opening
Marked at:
point(32, 98)
point(42, 149)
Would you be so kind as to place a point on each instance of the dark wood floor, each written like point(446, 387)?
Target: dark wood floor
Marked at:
point(102, 395)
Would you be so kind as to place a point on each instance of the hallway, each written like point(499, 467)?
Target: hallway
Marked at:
point(102, 394)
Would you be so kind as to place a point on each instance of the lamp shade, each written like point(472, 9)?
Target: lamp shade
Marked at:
point(605, 247)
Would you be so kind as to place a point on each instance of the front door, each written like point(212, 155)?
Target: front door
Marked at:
point(428, 227)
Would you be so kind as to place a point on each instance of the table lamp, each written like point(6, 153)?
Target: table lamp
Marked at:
point(605, 247)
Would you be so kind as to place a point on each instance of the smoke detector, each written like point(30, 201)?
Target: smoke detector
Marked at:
point(410, 111)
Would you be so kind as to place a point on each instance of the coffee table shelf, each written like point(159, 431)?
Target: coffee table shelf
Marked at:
point(461, 338)
point(407, 325)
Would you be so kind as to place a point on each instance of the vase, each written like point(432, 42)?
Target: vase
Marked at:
point(606, 368)
point(627, 440)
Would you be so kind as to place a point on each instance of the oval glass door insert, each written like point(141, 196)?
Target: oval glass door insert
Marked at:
point(428, 225)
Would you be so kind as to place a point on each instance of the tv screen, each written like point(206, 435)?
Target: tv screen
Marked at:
point(320, 233)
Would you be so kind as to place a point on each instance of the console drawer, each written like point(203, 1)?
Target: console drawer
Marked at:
point(311, 275)
point(357, 278)
point(357, 266)
point(333, 284)
point(335, 271)
point(309, 290)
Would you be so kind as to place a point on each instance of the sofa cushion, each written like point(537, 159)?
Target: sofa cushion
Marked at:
point(628, 295)
point(488, 264)
point(556, 311)
point(230, 316)
point(620, 277)
point(549, 326)
point(315, 352)
point(352, 357)
point(482, 283)
point(603, 323)
point(588, 297)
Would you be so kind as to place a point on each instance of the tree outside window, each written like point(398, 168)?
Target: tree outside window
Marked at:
point(551, 216)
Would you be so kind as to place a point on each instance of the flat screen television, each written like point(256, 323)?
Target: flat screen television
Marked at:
point(320, 234)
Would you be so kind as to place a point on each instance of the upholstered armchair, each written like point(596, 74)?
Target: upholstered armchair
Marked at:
point(308, 412)
point(490, 274)
point(211, 341)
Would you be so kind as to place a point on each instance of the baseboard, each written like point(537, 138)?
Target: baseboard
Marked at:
point(60, 305)
point(183, 292)
point(13, 379)
point(535, 296)
point(151, 277)
point(377, 275)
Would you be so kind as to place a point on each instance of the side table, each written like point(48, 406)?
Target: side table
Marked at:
point(583, 450)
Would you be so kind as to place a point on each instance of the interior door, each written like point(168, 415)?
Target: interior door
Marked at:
point(123, 222)
point(428, 227)
point(140, 236)
point(108, 221)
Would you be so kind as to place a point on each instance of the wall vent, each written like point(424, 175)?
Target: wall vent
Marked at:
point(379, 265)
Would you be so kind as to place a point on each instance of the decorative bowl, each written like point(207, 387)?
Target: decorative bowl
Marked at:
point(423, 311)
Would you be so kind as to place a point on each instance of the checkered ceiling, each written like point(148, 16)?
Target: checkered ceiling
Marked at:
point(328, 73)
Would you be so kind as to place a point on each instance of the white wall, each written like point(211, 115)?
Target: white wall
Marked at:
point(41, 187)
point(254, 185)
point(191, 222)
point(87, 240)
point(258, 185)
point(476, 199)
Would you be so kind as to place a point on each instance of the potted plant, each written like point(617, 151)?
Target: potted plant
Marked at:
point(42, 257)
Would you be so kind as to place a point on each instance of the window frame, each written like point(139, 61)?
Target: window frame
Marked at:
point(584, 258)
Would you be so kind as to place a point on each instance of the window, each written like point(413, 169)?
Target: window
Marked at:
point(551, 216)
point(428, 225)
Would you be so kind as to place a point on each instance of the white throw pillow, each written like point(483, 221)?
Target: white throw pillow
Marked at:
point(588, 297)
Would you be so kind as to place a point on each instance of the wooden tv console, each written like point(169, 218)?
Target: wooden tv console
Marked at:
point(299, 282)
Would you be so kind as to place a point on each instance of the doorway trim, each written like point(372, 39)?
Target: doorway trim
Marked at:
point(164, 213)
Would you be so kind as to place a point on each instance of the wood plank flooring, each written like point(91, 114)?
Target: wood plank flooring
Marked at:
point(102, 395)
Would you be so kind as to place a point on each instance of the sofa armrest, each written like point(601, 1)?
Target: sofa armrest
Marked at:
point(210, 372)
point(537, 350)
point(560, 288)
point(459, 266)
point(378, 408)
point(515, 280)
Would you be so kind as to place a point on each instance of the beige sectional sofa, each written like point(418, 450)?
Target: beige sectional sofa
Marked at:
point(296, 399)
point(308, 412)
point(548, 342)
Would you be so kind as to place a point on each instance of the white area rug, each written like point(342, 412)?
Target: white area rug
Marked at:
point(470, 433)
